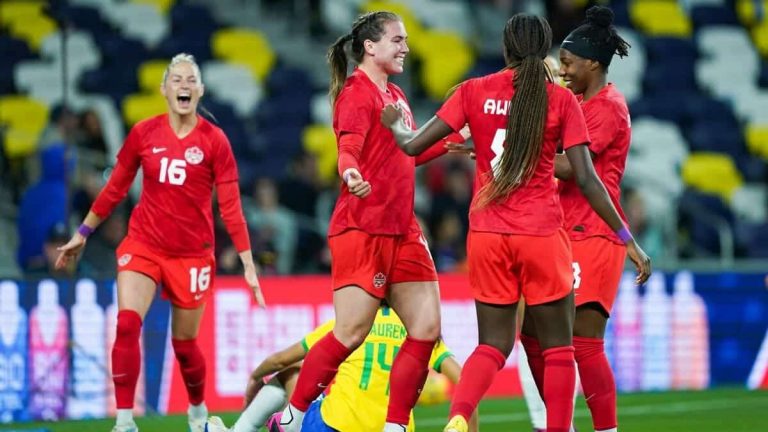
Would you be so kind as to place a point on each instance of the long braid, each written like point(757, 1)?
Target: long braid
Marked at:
point(527, 39)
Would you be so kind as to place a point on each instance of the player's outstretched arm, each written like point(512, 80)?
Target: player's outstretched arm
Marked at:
point(412, 142)
point(274, 363)
point(594, 190)
point(452, 370)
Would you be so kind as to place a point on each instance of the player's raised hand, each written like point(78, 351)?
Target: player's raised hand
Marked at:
point(253, 281)
point(70, 251)
point(460, 148)
point(356, 184)
point(641, 260)
point(390, 115)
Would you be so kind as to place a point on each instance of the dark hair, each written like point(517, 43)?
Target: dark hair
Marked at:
point(597, 38)
point(369, 26)
point(527, 39)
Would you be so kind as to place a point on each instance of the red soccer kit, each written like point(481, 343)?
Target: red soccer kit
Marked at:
point(170, 234)
point(598, 253)
point(518, 243)
point(375, 241)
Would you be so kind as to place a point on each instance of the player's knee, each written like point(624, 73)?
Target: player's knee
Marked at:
point(351, 336)
point(504, 346)
point(128, 325)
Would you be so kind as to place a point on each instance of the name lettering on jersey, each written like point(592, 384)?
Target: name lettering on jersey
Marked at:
point(193, 155)
point(495, 106)
point(390, 330)
point(156, 150)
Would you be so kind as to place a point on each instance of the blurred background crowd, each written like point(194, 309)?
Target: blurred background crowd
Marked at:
point(76, 74)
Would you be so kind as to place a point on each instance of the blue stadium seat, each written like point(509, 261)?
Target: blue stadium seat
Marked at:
point(191, 42)
point(119, 51)
point(188, 18)
point(115, 81)
point(696, 208)
point(704, 108)
point(705, 15)
point(753, 168)
point(717, 137)
point(756, 240)
point(284, 109)
point(667, 76)
point(14, 50)
point(86, 18)
point(763, 78)
point(662, 106)
point(284, 80)
point(670, 49)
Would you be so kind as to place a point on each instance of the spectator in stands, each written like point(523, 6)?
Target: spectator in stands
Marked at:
point(91, 145)
point(273, 227)
point(63, 127)
point(56, 236)
point(645, 231)
point(42, 206)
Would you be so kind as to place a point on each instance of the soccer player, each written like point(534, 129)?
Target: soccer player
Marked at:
point(598, 252)
point(377, 246)
point(518, 117)
point(170, 234)
point(356, 400)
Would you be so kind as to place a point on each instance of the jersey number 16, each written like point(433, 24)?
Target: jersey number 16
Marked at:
point(173, 170)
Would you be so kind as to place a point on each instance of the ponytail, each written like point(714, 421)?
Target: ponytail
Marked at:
point(337, 62)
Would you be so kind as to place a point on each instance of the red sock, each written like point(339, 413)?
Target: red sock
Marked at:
point(597, 381)
point(319, 369)
point(126, 358)
point(192, 364)
point(476, 376)
point(409, 371)
point(535, 360)
point(559, 384)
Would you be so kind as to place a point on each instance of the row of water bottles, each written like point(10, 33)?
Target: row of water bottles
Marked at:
point(659, 341)
point(49, 369)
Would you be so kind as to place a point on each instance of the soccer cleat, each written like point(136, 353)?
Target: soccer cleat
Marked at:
point(273, 424)
point(131, 427)
point(215, 424)
point(457, 424)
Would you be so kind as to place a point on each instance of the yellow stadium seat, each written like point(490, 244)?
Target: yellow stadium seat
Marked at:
point(713, 173)
point(24, 119)
point(34, 29)
point(748, 13)
point(412, 24)
point(757, 140)
point(321, 141)
point(162, 5)
point(140, 106)
point(660, 18)
point(444, 68)
point(19, 11)
point(760, 36)
point(151, 75)
point(245, 47)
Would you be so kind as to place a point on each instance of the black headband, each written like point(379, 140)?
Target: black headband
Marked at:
point(580, 45)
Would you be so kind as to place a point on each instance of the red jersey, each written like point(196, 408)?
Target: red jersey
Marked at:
point(534, 207)
point(608, 123)
point(174, 214)
point(388, 209)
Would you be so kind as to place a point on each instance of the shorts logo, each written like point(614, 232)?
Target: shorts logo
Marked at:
point(124, 260)
point(193, 155)
point(379, 280)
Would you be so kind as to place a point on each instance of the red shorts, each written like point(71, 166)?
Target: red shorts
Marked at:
point(185, 280)
point(502, 266)
point(597, 267)
point(374, 262)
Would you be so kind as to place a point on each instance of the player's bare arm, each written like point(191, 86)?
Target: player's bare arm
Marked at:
point(414, 143)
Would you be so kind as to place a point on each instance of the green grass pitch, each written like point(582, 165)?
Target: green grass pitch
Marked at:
point(720, 410)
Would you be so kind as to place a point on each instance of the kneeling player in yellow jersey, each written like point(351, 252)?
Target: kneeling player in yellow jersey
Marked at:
point(357, 399)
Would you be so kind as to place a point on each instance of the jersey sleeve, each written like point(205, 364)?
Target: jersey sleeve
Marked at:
point(439, 354)
point(453, 110)
point(224, 165)
point(602, 124)
point(573, 130)
point(353, 113)
point(130, 153)
point(311, 339)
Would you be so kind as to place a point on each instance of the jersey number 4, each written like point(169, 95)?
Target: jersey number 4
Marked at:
point(376, 354)
point(173, 170)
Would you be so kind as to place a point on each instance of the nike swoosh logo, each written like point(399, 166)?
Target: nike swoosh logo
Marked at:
point(156, 150)
point(198, 296)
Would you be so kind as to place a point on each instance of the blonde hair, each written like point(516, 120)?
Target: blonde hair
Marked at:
point(183, 58)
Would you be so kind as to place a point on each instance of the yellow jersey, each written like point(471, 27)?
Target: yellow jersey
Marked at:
point(357, 399)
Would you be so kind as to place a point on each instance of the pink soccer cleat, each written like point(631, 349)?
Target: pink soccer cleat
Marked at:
point(273, 424)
